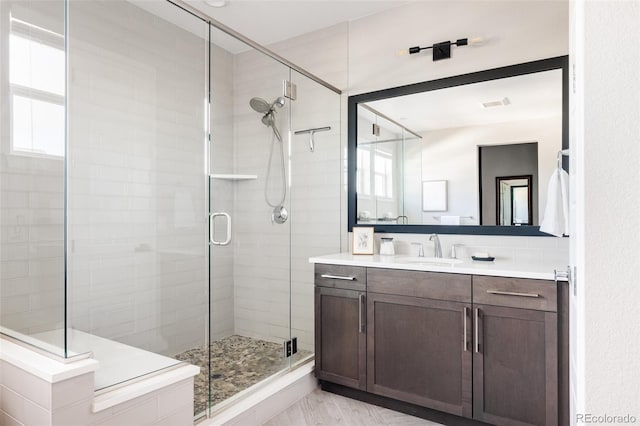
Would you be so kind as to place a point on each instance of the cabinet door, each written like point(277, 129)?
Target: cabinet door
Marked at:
point(419, 351)
point(515, 365)
point(340, 336)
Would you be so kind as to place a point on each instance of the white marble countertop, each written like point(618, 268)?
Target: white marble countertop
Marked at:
point(500, 267)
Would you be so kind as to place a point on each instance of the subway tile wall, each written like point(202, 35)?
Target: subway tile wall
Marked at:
point(32, 235)
point(222, 191)
point(271, 270)
point(261, 248)
point(31, 206)
point(136, 243)
point(27, 400)
point(137, 183)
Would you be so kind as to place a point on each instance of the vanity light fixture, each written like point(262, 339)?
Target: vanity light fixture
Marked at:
point(442, 50)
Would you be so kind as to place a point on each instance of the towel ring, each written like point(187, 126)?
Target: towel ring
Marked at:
point(564, 152)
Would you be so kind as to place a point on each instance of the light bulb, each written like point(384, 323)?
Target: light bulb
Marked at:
point(216, 3)
point(476, 41)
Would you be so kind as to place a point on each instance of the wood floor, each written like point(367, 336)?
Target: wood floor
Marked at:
point(324, 408)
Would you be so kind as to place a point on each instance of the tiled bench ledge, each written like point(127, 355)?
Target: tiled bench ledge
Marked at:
point(37, 390)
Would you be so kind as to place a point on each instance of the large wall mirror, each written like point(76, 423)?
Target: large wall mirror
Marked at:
point(470, 154)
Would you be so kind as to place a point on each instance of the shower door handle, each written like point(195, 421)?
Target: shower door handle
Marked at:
point(212, 218)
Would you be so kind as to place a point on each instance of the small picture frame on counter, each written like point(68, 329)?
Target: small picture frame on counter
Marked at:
point(362, 242)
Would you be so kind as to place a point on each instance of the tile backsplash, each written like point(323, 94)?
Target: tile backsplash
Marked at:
point(534, 249)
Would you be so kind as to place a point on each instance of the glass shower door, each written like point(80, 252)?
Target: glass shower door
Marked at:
point(136, 185)
point(250, 247)
point(315, 198)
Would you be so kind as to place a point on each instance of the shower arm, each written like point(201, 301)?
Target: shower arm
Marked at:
point(312, 132)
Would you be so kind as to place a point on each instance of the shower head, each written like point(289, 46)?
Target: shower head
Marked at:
point(260, 105)
point(264, 107)
point(267, 119)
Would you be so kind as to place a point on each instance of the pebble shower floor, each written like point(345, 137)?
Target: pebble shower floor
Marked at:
point(237, 363)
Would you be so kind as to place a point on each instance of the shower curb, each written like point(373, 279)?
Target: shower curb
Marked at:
point(264, 404)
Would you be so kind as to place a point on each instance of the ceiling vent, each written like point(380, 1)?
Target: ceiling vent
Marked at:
point(491, 104)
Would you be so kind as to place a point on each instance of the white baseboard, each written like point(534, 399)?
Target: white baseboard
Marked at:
point(265, 403)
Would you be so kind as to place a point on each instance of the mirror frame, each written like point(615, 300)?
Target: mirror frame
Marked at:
point(560, 62)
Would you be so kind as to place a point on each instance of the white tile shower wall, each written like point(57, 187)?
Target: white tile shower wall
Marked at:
point(265, 262)
point(315, 176)
point(31, 206)
point(32, 232)
point(315, 197)
point(137, 219)
point(261, 249)
point(222, 191)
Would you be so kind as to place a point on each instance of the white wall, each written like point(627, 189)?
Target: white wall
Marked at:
point(515, 32)
point(452, 154)
point(607, 110)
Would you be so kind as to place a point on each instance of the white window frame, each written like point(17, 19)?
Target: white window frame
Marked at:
point(372, 173)
point(48, 38)
point(388, 195)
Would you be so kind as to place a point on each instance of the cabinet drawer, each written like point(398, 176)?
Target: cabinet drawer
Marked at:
point(429, 285)
point(515, 293)
point(339, 276)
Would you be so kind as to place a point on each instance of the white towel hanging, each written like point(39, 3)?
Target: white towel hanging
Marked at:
point(556, 213)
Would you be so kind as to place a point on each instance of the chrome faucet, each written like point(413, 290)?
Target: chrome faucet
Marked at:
point(437, 248)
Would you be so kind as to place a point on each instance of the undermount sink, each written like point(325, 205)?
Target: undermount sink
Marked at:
point(428, 260)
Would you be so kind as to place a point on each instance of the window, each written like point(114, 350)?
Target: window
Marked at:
point(37, 87)
point(364, 172)
point(374, 171)
point(383, 174)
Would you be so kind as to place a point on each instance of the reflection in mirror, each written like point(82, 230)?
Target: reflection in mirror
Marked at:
point(381, 167)
point(466, 135)
point(514, 200)
point(501, 162)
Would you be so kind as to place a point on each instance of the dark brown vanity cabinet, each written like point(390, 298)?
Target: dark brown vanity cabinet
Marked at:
point(515, 355)
point(419, 338)
point(490, 349)
point(340, 330)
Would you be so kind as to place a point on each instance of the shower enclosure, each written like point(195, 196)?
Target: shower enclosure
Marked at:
point(143, 197)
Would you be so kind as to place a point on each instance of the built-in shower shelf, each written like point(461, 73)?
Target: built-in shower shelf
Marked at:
point(233, 177)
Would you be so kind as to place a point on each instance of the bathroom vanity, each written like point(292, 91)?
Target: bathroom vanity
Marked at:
point(465, 343)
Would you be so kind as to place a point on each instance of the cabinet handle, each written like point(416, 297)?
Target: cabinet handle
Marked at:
point(465, 315)
point(512, 293)
point(477, 319)
point(338, 277)
point(360, 304)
